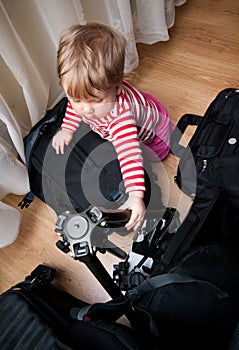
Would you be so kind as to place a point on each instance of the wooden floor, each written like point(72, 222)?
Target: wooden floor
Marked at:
point(185, 73)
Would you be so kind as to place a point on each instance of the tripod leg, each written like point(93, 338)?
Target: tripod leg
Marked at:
point(99, 271)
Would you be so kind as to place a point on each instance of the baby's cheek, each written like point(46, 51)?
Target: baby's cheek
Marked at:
point(103, 111)
point(109, 107)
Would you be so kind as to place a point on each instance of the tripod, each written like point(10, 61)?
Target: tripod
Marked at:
point(85, 234)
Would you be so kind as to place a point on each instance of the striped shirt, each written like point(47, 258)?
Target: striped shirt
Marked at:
point(132, 121)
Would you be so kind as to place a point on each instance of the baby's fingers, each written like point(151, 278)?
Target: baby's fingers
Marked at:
point(62, 148)
point(133, 222)
point(55, 146)
point(138, 224)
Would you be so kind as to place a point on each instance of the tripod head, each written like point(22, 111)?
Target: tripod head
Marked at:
point(87, 232)
point(83, 234)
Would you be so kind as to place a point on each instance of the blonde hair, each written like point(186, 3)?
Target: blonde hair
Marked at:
point(90, 57)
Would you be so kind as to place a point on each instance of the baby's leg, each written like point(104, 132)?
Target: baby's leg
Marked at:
point(161, 143)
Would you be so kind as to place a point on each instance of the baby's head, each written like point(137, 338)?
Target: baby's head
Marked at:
point(90, 59)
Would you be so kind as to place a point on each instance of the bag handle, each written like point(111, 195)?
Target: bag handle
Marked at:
point(188, 230)
point(114, 309)
point(185, 121)
point(166, 279)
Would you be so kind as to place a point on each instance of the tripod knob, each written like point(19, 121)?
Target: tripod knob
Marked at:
point(77, 227)
point(64, 246)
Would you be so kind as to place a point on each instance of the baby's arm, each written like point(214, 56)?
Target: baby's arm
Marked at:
point(126, 142)
point(62, 138)
point(70, 123)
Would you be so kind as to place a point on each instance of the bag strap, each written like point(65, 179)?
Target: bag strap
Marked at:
point(114, 309)
point(225, 102)
point(27, 200)
point(110, 311)
point(189, 228)
point(167, 279)
point(185, 121)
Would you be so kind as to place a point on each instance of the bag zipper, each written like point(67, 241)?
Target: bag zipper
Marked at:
point(204, 166)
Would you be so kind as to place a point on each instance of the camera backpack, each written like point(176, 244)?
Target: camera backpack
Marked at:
point(208, 172)
point(35, 315)
point(194, 305)
point(88, 172)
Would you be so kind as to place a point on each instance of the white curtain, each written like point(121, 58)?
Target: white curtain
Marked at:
point(30, 32)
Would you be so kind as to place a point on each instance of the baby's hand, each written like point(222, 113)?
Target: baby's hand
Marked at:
point(136, 204)
point(62, 138)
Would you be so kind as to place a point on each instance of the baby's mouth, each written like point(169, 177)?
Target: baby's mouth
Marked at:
point(91, 116)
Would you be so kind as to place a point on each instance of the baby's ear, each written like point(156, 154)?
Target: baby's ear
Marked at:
point(118, 89)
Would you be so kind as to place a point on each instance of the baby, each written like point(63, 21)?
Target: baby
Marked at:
point(91, 61)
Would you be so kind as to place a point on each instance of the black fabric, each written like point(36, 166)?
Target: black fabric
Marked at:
point(103, 334)
point(57, 179)
point(234, 343)
point(212, 153)
point(87, 174)
point(39, 316)
point(21, 327)
point(198, 317)
point(194, 306)
point(208, 172)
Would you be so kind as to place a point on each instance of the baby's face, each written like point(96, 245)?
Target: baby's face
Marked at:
point(95, 107)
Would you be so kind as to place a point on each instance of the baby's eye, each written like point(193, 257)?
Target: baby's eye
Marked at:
point(98, 101)
point(76, 100)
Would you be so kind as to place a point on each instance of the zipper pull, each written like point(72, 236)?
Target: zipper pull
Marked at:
point(26, 201)
point(204, 165)
point(232, 92)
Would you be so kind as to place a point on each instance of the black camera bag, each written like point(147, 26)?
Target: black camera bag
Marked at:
point(208, 171)
point(35, 315)
point(212, 154)
point(194, 305)
point(88, 172)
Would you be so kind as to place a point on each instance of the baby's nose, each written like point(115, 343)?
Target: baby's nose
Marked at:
point(87, 109)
